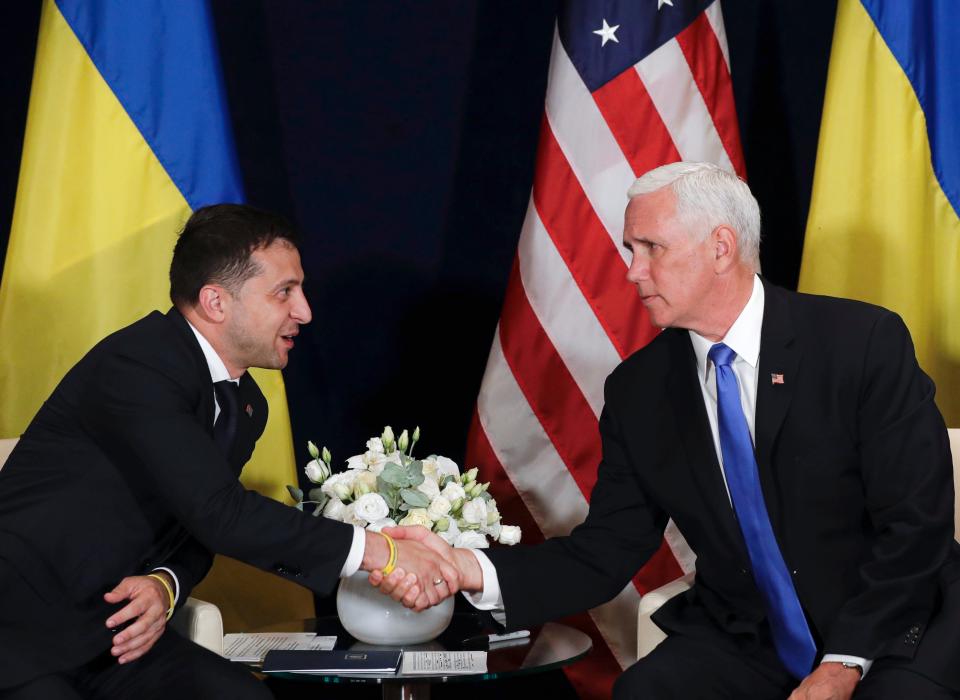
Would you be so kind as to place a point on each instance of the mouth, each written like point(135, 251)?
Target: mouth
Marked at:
point(288, 339)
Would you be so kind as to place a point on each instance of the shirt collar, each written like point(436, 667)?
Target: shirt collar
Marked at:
point(743, 337)
point(218, 370)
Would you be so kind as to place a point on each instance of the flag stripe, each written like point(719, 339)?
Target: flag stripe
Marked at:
point(671, 86)
point(585, 247)
point(702, 51)
point(589, 147)
point(628, 110)
point(536, 470)
point(194, 146)
point(715, 16)
point(564, 314)
point(546, 384)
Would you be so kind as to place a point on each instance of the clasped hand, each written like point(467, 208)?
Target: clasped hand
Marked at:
point(428, 569)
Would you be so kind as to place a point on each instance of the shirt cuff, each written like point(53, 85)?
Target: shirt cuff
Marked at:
point(490, 597)
point(176, 583)
point(355, 555)
point(865, 664)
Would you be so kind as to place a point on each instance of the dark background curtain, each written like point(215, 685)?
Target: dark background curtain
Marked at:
point(400, 138)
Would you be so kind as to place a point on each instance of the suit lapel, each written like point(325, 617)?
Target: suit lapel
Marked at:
point(696, 439)
point(205, 408)
point(777, 378)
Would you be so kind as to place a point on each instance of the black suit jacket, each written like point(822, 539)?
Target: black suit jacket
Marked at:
point(117, 474)
point(855, 466)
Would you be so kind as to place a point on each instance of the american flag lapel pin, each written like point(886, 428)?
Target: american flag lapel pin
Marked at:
point(249, 409)
point(776, 378)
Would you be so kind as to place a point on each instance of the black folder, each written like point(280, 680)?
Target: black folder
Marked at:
point(335, 661)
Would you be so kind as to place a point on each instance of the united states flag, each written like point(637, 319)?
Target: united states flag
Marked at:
point(632, 85)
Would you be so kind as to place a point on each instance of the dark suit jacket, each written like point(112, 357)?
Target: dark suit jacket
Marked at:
point(855, 466)
point(117, 474)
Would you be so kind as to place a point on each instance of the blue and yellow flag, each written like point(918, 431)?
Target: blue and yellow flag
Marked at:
point(884, 222)
point(127, 133)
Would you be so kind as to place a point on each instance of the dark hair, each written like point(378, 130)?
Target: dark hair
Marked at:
point(215, 247)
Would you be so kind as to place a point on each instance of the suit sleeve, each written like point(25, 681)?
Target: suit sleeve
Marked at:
point(142, 417)
point(908, 487)
point(566, 575)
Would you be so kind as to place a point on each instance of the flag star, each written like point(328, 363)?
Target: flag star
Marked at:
point(661, 3)
point(607, 33)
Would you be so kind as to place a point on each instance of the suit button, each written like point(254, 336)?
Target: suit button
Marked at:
point(280, 569)
point(743, 572)
point(915, 629)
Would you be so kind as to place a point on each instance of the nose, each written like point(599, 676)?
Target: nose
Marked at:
point(639, 269)
point(300, 309)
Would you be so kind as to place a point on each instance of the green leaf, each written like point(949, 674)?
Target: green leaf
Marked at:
point(415, 472)
point(318, 511)
point(394, 475)
point(299, 506)
point(416, 499)
point(295, 493)
point(317, 495)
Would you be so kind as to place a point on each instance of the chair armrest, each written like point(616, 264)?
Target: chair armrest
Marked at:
point(648, 634)
point(200, 622)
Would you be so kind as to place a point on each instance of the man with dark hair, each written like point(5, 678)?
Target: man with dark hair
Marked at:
point(128, 473)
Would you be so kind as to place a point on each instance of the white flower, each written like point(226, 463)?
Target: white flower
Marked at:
point(317, 471)
point(429, 488)
point(493, 515)
point(375, 444)
point(371, 507)
point(439, 507)
point(509, 534)
point(453, 491)
point(334, 509)
point(350, 516)
point(382, 523)
point(417, 516)
point(447, 467)
point(340, 485)
point(430, 469)
point(364, 483)
point(475, 511)
point(472, 540)
point(492, 530)
point(451, 534)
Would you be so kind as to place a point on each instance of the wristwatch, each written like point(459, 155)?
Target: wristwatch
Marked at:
point(850, 664)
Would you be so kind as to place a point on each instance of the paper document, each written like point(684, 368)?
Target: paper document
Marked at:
point(251, 647)
point(443, 663)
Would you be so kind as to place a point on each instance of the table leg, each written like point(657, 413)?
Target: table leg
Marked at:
point(406, 690)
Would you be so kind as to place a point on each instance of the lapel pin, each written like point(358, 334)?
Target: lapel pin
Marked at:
point(776, 378)
point(249, 409)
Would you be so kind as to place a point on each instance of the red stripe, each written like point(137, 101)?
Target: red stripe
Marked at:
point(592, 677)
point(636, 125)
point(548, 386)
point(702, 50)
point(586, 248)
point(659, 569)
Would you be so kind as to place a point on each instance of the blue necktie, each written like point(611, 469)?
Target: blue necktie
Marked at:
point(791, 635)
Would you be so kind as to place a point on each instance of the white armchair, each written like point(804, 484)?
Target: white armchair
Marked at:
point(196, 620)
point(649, 635)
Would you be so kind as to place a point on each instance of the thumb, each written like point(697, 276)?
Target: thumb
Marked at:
point(406, 533)
point(122, 591)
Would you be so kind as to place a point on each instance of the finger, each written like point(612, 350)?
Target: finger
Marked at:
point(451, 576)
point(389, 583)
point(421, 604)
point(145, 644)
point(403, 585)
point(130, 611)
point(410, 599)
point(145, 623)
point(120, 592)
point(375, 577)
point(430, 589)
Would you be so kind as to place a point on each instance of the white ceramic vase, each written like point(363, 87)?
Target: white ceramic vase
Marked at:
point(372, 617)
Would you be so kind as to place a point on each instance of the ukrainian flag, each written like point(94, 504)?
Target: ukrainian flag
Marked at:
point(884, 222)
point(127, 133)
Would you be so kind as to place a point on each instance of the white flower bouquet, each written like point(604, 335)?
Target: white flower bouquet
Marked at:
point(385, 486)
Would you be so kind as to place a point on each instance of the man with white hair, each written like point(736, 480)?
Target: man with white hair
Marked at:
point(795, 442)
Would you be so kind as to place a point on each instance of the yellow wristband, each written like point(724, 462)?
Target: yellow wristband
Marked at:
point(392, 558)
point(170, 596)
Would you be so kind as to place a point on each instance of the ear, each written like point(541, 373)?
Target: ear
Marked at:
point(212, 302)
point(726, 250)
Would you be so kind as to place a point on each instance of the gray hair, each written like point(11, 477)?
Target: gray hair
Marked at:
point(708, 196)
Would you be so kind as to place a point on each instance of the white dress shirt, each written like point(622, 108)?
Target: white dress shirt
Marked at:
point(744, 339)
point(219, 373)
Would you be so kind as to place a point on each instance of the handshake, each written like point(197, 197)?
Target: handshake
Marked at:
point(426, 569)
